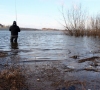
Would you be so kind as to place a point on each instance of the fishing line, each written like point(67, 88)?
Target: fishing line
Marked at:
point(15, 11)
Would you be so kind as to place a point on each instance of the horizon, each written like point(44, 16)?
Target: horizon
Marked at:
point(41, 13)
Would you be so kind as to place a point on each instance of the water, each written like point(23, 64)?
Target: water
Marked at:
point(42, 46)
point(50, 45)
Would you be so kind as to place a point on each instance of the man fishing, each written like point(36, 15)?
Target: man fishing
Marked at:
point(14, 32)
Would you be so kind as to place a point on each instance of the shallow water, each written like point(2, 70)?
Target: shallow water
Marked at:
point(37, 46)
point(49, 45)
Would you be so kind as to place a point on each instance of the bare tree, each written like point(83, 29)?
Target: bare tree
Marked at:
point(95, 22)
point(74, 19)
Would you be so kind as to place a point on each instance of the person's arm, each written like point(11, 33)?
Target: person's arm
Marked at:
point(10, 29)
point(18, 29)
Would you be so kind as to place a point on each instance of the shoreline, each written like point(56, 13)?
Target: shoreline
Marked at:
point(49, 75)
point(32, 29)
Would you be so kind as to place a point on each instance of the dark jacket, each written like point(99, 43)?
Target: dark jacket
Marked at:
point(14, 29)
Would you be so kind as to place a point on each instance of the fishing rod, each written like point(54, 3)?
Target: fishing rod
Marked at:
point(15, 11)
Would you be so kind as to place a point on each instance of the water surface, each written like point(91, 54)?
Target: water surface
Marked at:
point(50, 45)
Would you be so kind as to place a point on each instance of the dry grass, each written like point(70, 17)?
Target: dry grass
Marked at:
point(13, 78)
point(77, 33)
point(2, 54)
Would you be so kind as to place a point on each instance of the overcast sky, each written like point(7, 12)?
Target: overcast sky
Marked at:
point(41, 13)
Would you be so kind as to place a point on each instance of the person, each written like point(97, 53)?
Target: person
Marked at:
point(14, 32)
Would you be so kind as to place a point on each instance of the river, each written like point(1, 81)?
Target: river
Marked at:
point(46, 46)
point(50, 45)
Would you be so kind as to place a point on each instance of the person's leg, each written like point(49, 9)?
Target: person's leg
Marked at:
point(11, 39)
point(15, 39)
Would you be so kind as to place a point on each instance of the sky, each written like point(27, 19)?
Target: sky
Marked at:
point(41, 13)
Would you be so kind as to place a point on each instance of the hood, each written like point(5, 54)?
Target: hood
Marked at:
point(14, 23)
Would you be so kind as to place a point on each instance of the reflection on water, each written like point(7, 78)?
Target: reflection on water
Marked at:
point(51, 45)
